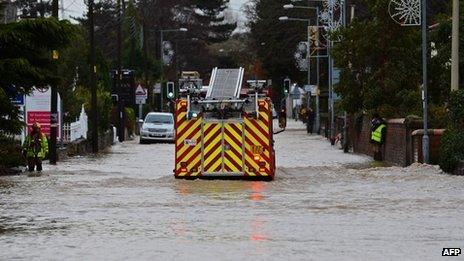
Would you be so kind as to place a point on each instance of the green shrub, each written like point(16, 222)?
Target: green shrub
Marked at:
point(456, 109)
point(438, 116)
point(130, 120)
point(452, 142)
point(452, 149)
point(10, 153)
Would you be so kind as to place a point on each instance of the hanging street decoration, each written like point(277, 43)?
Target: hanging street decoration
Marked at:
point(405, 12)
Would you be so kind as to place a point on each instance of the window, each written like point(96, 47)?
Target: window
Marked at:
point(159, 119)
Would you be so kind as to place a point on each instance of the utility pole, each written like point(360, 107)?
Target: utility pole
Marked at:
point(308, 58)
point(162, 69)
point(331, 92)
point(132, 36)
point(318, 110)
point(455, 48)
point(150, 93)
point(54, 104)
point(425, 138)
point(121, 134)
point(93, 77)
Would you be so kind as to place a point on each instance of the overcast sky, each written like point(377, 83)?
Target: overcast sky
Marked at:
point(77, 8)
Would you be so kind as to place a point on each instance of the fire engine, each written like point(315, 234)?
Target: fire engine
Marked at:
point(221, 133)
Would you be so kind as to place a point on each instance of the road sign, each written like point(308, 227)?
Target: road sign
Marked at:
point(38, 106)
point(336, 75)
point(140, 95)
point(18, 100)
point(311, 89)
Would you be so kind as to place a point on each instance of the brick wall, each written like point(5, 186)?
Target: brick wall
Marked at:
point(434, 143)
point(397, 149)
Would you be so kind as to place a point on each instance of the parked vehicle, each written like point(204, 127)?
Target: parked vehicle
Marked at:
point(157, 126)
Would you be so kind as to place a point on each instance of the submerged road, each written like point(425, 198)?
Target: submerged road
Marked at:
point(323, 205)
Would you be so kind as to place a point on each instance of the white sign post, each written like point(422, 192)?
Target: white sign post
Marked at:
point(140, 98)
point(38, 108)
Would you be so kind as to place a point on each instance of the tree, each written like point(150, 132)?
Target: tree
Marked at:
point(26, 61)
point(210, 20)
point(275, 41)
point(380, 65)
point(34, 8)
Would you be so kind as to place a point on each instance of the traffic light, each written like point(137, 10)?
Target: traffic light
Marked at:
point(287, 83)
point(170, 90)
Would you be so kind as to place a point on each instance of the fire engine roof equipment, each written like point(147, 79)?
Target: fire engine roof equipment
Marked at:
point(225, 84)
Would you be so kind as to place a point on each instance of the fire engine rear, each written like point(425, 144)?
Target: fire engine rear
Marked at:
point(221, 134)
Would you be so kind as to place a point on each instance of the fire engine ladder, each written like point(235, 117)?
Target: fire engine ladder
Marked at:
point(225, 84)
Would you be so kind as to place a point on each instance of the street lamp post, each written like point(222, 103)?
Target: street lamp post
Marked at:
point(455, 48)
point(54, 105)
point(308, 55)
point(162, 57)
point(318, 114)
point(425, 138)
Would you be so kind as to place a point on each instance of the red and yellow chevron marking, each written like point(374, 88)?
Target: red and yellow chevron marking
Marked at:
point(258, 136)
point(212, 147)
point(188, 143)
point(233, 150)
point(227, 147)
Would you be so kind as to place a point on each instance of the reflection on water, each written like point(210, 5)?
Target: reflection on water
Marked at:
point(127, 205)
point(258, 229)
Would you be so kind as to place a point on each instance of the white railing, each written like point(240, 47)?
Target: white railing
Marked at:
point(76, 130)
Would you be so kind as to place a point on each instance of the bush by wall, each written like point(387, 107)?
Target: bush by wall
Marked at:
point(452, 143)
point(452, 149)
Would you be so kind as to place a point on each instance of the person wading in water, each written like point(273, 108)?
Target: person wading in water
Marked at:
point(35, 148)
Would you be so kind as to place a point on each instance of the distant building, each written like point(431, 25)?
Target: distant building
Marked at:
point(8, 11)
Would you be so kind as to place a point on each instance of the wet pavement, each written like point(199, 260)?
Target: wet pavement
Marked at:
point(324, 204)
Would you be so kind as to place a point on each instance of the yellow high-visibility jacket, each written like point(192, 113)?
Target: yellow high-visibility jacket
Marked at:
point(376, 135)
point(41, 153)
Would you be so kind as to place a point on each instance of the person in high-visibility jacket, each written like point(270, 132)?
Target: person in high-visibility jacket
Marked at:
point(378, 133)
point(35, 148)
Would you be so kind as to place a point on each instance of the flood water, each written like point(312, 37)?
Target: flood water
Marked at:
point(125, 204)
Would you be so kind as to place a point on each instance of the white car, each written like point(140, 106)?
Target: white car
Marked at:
point(157, 126)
